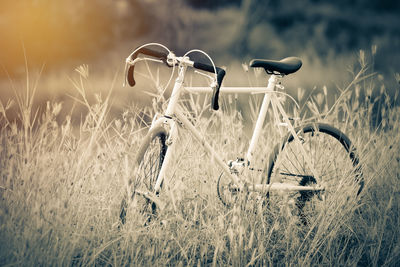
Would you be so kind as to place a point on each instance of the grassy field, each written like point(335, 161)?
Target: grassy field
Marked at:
point(61, 186)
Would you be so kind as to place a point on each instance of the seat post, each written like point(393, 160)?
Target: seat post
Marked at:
point(272, 81)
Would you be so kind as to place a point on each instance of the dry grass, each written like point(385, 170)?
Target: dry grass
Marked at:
point(61, 187)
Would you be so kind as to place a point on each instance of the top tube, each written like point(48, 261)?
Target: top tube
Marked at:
point(230, 90)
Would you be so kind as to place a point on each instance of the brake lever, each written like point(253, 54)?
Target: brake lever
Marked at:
point(212, 79)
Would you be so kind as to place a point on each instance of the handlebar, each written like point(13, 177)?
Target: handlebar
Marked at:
point(220, 77)
point(164, 58)
point(146, 51)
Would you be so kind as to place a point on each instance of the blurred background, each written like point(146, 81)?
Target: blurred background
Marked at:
point(54, 37)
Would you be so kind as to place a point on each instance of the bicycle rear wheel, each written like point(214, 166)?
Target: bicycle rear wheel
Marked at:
point(333, 158)
point(149, 160)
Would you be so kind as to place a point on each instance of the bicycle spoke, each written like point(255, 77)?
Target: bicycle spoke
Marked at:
point(145, 178)
point(328, 156)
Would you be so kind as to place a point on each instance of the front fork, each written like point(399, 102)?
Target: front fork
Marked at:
point(168, 123)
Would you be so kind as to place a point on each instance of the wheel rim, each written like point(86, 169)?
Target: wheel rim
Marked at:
point(331, 156)
point(144, 180)
point(151, 163)
point(146, 176)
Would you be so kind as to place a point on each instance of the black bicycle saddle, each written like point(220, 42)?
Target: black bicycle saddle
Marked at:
point(284, 66)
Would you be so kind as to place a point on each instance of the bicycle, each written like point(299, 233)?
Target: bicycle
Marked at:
point(308, 163)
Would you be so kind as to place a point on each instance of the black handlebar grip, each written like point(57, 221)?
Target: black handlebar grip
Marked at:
point(146, 51)
point(220, 77)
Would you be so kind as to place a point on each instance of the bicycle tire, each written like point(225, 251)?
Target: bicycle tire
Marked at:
point(332, 155)
point(149, 160)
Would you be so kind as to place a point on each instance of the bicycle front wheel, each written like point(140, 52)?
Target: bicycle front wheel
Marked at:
point(331, 156)
point(149, 160)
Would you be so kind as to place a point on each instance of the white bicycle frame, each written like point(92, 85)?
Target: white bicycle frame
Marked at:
point(173, 114)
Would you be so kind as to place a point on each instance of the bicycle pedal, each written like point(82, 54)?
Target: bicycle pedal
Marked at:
point(237, 166)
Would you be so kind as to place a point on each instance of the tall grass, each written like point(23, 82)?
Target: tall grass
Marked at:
point(62, 184)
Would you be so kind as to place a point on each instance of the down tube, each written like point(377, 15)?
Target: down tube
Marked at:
point(208, 147)
point(258, 127)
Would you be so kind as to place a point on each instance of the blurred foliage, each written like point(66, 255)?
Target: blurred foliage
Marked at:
point(213, 4)
point(377, 5)
point(249, 28)
point(327, 26)
point(318, 29)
